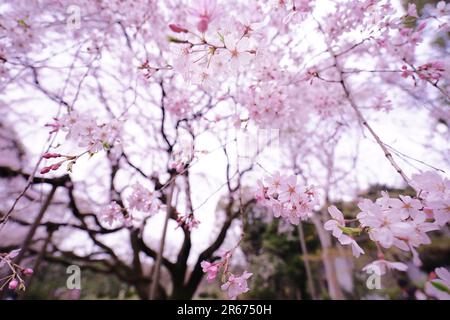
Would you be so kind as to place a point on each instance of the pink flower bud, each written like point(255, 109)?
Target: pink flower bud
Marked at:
point(178, 29)
point(49, 155)
point(13, 284)
point(172, 165)
point(202, 25)
point(45, 170)
point(179, 167)
point(28, 271)
point(55, 166)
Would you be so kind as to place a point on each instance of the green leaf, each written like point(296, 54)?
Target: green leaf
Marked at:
point(70, 166)
point(351, 231)
point(440, 286)
point(175, 40)
point(22, 23)
point(409, 22)
point(106, 145)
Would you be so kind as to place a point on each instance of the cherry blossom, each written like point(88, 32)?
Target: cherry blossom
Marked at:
point(179, 105)
point(120, 93)
point(439, 287)
point(412, 10)
point(287, 198)
point(238, 53)
point(337, 226)
point(337, 223)
point(15, 273)
point(205, 11)
point(442, 9)
point(409, 207)
point(397, 222)
point(144, 200)
point(211, 269)
point(347, 240)
point(435, 190)
point(85, 130)
point(187, 221)
point(112, 213)
point(380, 267)
point(236, 285)
point(385, 225)
point(274, 184)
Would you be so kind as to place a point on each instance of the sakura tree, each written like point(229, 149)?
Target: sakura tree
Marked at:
point(137, 135)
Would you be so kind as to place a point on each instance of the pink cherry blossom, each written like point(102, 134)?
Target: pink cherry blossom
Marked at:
point(131, 92)
point(410, 207)
point(412, 10)
point(347, 240)
point(144, 200)
point(442, 9)
point(286, 198)
point(205, 11)
point(236, 285)
point(188, 221)
point(440, 287)
point(336, 223)
point(380, 267)
point(211, 269)
point(238, 51)
point(111, 213)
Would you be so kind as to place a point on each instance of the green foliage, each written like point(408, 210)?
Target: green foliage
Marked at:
point(50, 283)
point(276, 257)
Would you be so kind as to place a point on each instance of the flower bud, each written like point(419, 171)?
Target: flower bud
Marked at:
point(178, 29)
point(28, 271)
point(202, 25)
point(13, 284)
point(55, 166)
point(49, 155)
point(45, 170)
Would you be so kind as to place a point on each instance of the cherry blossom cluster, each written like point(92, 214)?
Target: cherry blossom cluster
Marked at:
point(62, 159)
point(431, 71)
point(293, 11)
point(234, 285)
point(187, 221)
point(286, 198)
point(141, 199)
point(182, 157)
point(178, 105)
point(16, 273)
point(401, 222)
point(113, 213)
point(381, 266)
point(214, 47)
point(84, 129)
point(144, 200)
point(434, 192)
point(87, 133)
point(267, 103)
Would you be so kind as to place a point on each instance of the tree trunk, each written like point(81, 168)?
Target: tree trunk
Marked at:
point(334, 289)
point(310, 280)
point(157, 269)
